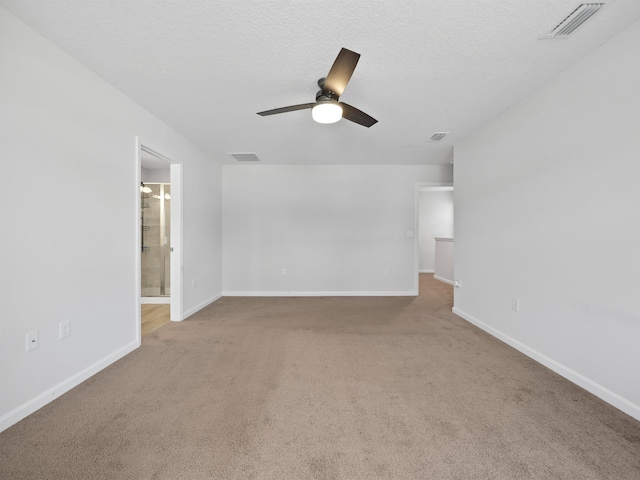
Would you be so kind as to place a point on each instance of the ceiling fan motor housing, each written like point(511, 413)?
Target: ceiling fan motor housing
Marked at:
point(323, 94)
point(326, 96)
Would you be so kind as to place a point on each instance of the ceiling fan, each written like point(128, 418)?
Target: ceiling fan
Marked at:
point(327, 108)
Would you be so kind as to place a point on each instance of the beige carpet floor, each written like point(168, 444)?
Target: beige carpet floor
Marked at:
point(324, 388)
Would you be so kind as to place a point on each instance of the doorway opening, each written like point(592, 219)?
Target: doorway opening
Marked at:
point(434, 226)
point(159, 232)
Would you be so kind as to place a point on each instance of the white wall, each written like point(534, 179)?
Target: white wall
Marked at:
point(68, 209)
point(435, 220)
point(443, 268)
point(547, 210)
point(155, 175)
point(335, 229)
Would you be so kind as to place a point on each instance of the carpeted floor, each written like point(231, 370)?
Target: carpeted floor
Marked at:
point(324, 388)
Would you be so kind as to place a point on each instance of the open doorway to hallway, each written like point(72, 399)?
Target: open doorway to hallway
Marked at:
point(434, 242)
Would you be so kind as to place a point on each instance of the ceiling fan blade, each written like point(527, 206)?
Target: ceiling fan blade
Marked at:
point(357, 116)
point(341, 71)
point(292, 108)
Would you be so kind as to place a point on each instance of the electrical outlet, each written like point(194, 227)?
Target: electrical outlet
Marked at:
point(193, 283)
point(33, 340)
point(284, 272)
point(64, 329)
point(515, 304)
point(386, 272)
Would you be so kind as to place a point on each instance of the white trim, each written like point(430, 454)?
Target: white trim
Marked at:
point(591, 386)
point(155, 300)
point(204, 304)
point(39, 401)
point(138, 242)
point(320, 294)
point(177, 257)
point(442, 279)
point(427, 271)
point(427, 188)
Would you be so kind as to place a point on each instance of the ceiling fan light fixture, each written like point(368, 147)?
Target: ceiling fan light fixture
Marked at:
point(326, 112)
point(326, 108)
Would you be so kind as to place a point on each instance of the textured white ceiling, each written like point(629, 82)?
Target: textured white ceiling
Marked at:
point(205, 67)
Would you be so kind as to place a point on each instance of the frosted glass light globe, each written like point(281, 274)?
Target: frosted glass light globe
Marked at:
point(326, 112)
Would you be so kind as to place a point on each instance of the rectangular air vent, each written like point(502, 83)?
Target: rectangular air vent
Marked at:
point(436, 137)
point(245, 157)
point(572, 21)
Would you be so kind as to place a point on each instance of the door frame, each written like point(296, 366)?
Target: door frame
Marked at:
point(423, 187)
point(176, 255)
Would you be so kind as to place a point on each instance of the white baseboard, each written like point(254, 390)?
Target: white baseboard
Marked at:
point(27, 408)
point(320, 294)
point(589, 385)
point(426, 271)
point(442, 279)
point(197, 308)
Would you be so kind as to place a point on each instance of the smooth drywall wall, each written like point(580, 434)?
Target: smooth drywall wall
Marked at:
point(323, 229)
point(68, 207)
point(435, 219)
point(443, 269)
point(547, 211)
point(153, 175)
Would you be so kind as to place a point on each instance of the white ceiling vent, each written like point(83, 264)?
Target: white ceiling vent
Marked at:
point(436, 137)
point(577, 17)
point(245, 157)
